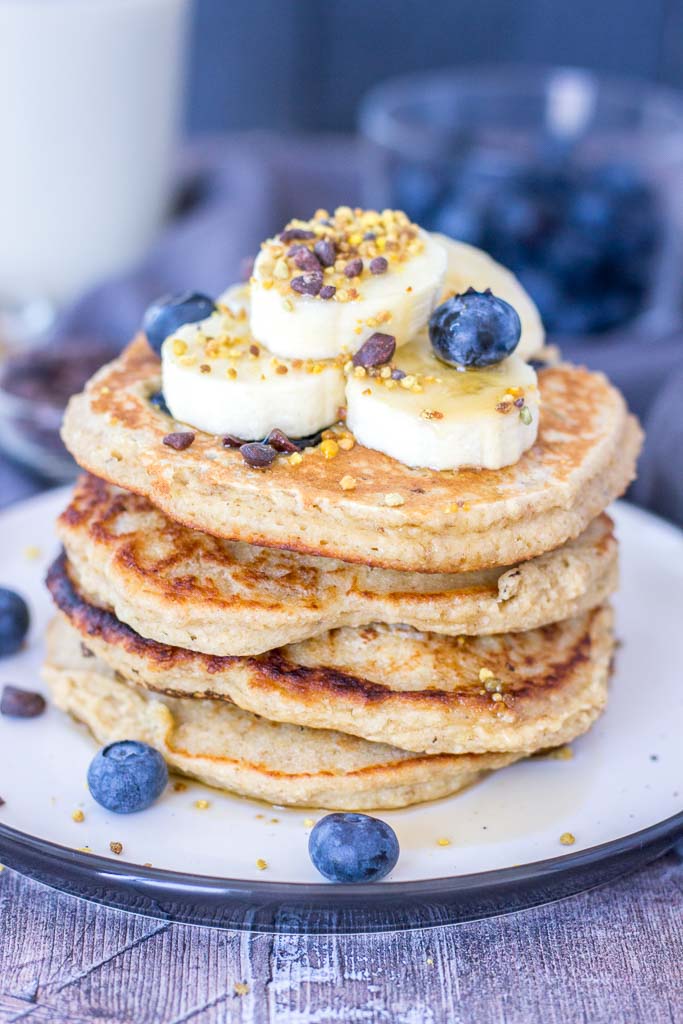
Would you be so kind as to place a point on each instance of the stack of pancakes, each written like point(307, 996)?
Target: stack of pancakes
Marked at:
point(278, 636)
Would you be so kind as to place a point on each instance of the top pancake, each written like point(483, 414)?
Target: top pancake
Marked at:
point(449, 521)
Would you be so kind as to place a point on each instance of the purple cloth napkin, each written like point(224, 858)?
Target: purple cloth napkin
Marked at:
point(236, 191)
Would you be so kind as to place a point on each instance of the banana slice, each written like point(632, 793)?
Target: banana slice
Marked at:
point(307, 302)
point(237, 298)
point(218, 379)
point(472, 267)
point(466, 267)
point(442, 418)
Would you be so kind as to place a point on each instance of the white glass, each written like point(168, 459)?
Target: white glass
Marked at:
point(90, 95)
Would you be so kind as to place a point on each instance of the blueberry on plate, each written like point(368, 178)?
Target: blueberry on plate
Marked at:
point(474, 329)
point(14, 621)
point(353, 848)
point(169, 313)
point(127, 776)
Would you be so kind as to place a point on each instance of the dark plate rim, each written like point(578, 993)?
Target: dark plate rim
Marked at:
point(94, 867)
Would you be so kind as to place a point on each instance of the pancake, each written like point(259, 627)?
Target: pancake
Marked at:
point(192, 590)
point(449, 521)
point(389, 684)
point(225, 747)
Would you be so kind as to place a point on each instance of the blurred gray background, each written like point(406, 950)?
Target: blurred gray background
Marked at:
point(304, 64)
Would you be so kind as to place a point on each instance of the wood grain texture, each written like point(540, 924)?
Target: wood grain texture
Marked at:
point(614, 955)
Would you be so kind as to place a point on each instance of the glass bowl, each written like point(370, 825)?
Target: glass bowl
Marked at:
point(570, 179)
point(35, 386)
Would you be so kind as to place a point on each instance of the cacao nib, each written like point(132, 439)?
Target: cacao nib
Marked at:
point(18, 703)
point(308, 284)
point(354, 267)
point(258, 455)
point(278, 440)
point(377, 350)
point(180, 440)
point(230, 441)
point(306, 260)
point(325, 251)
point(292, 234)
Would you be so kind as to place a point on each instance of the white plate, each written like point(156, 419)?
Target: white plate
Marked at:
point(626, 774)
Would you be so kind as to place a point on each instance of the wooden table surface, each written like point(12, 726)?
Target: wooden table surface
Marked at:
point(614, 955)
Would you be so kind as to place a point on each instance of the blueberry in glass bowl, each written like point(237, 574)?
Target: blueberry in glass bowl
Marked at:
point(569, 179)
point(585, 247)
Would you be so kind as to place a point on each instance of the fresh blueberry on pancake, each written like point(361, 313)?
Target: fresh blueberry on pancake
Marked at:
point(474, 329)
point(169, 313)
point(159, 402)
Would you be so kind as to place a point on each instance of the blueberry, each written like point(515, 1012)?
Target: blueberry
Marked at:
point(14, 621)
point(309, 441)
point(591, 210)
point(169, 313)
point(583, 238)
point(418, 189)
point(474, 329)
point(519, 216)
point(544, 290)
point(353, 848)
point(574, 259)
point(460, 220)
point(577, 317)
point(159, 402)
point(127, 776)
point(620, 178)
point(614, 309)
